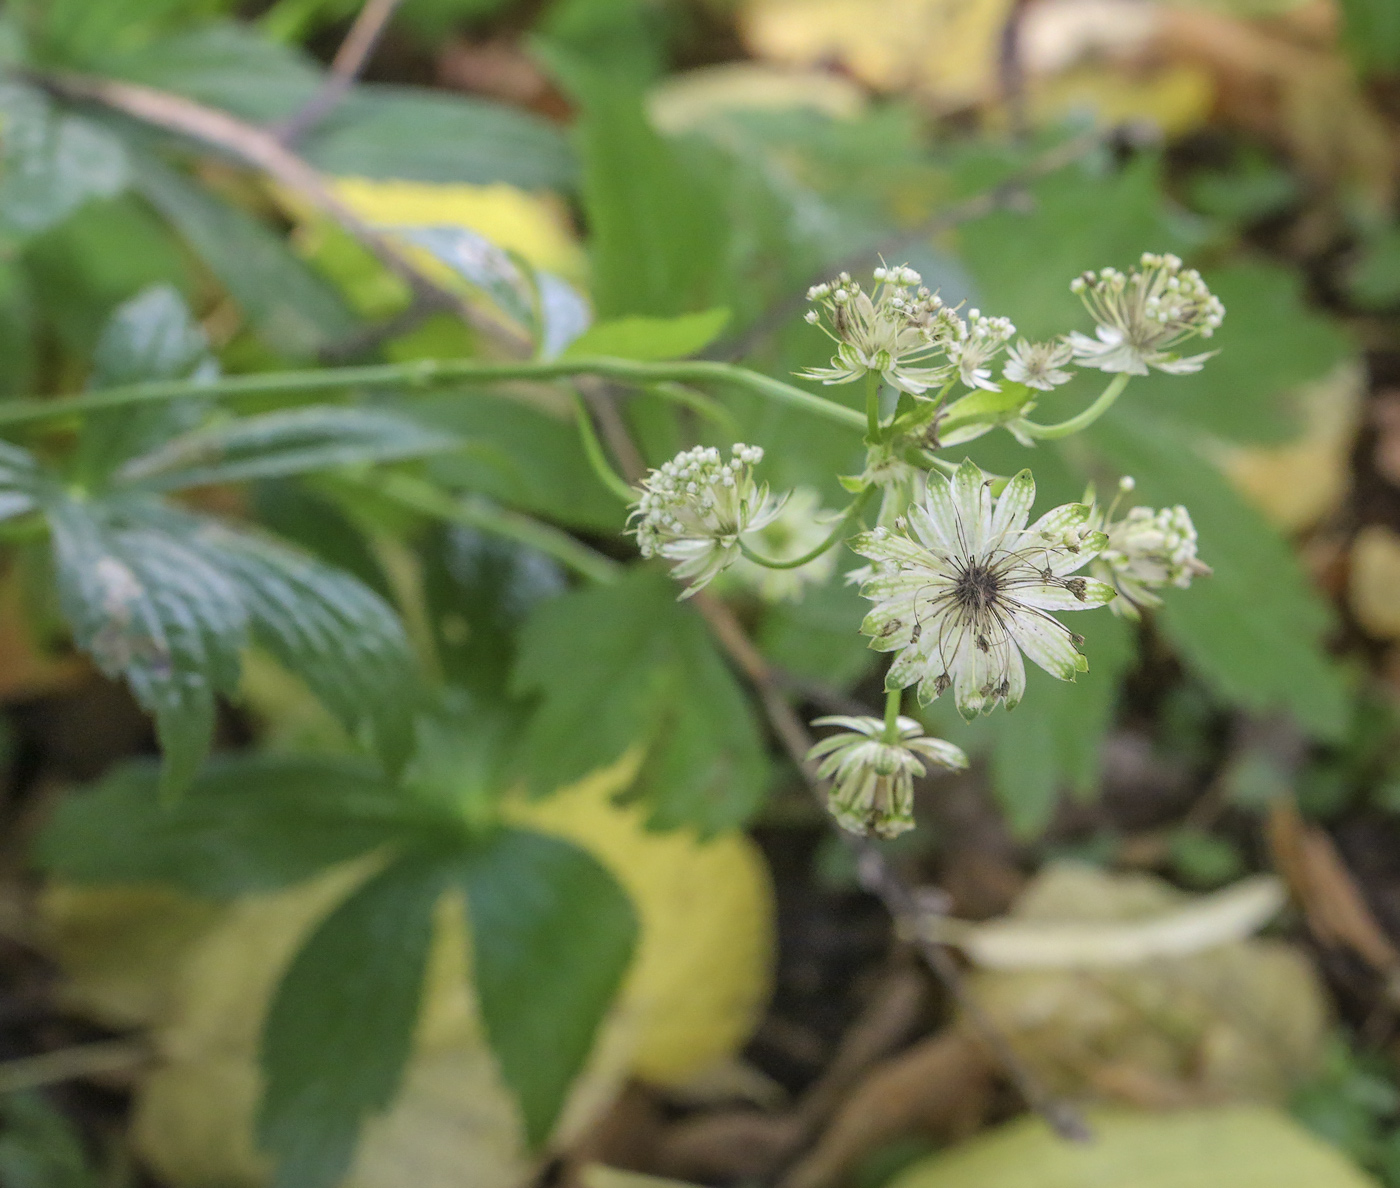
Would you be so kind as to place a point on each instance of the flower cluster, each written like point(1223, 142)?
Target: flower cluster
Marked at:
point(872, 776)
point(1148, 550)
point(1038, 364)
point(964, 587)
point(894, 331)
point(797, 530)
point(976, 343)
point(1143, 315)
point(693, 510)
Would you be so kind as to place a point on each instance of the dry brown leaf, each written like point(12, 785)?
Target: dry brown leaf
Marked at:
point(942, 1084)
point(26, 670)
point(1385, 415)
point(1335, 909)
point(728, 1145)
point(1374, 587)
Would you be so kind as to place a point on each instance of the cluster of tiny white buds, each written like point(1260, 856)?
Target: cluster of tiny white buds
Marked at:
point(1147, 550)
point(1038, 365)
point(978, 341)
point(1142, 314)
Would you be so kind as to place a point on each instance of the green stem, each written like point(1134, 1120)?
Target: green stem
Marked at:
point(1084, 419)
point(837, 535)
point(476, 512)
point(893, 697)
point(593, 451)
point(872, 407)
point(427, 373)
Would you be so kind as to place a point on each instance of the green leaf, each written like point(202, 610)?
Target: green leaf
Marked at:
point(341, 1024)
point(1371, 33)
point(482, 264)
point(651, 338)
point(1373, 279)
point(53, 162)
point(40, 1147)
point(248, 823)
point(148, 606)
point(20, 481)
point(287, 442)
point(623, 665)
point(552, 937)
point(403, 133)
point(1254, 630)
point(152, 336)
point(227, 66)
point(291, 307)
point(815, 638)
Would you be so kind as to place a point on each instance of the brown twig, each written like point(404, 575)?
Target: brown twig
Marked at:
point(349, 60)
point(262, 150)
point(1009, 194)
point(881, 879)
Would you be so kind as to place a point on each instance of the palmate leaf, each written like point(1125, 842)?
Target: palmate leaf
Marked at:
point(282, 443)
point(623, 664)
point(169, 600)
point(248, 823)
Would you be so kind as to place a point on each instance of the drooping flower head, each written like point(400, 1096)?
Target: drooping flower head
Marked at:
point(872, 779)
point(1143, 315)
point(1148, 550)
point(693, 509)
point(895, 330)
point(978, 341)
point(798, 528)
point(963, 587)
point(1038, 364)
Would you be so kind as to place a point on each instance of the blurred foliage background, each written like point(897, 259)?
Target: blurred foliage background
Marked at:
point(471, 859)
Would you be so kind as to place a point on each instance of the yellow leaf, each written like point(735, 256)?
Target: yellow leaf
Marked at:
point(1375, 581)
point(685, 101)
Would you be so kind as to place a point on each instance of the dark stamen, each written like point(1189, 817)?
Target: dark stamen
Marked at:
point(977, 587)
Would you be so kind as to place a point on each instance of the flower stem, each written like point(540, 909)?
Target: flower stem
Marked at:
point(838, 534)
point(893, 697)
point(593, 451)
point(872, 407)
point(1084, 419)
point(424, 374)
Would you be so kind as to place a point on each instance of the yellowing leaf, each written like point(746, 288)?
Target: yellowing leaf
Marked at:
point(531, 225)
point(703, 966)
point(1237, 1147)
point(1375, 581)
point(684, 101)
point(1176, 98)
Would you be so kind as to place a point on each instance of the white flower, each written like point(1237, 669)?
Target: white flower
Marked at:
point(872, 788)
point(1038, 364)
point(1147, 550)
point(892, 331)
point(693, 510)
point(973, 588)
point(979, 341)
point(1142, 316)
point(798, 529)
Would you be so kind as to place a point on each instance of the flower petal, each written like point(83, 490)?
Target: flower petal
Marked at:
point(1046, 641)
point(1073, 594)
point(1013, 507)
point(972, 503)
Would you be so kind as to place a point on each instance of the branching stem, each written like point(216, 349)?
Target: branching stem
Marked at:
point(1082, 420)
point(893, 697)
point(872, 407)
point(838, 534)
point(593, 451)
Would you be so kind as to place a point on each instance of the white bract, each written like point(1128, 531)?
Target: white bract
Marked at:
point(798, 529)
point(964, 587)
point(1143, 315)
point(893, 331)
point(693, 510)
point(979, 340)
point(1038, 364)
point(872, 779)
point(1148, 550)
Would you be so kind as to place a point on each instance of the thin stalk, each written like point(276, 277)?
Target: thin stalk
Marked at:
point(1084, 419)
point(838, 534)
point(593, 451)
point(872, 407)
point(475, 512)
point(423, 374)
point(893, 697)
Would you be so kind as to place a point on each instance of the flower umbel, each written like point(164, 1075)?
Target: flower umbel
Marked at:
point(872, 778)
point(693, 509)
point(979, 340)
point(893, 330)
point(1143, 315)
point(1038, 364)
point(1148, 550)
point(963, 587)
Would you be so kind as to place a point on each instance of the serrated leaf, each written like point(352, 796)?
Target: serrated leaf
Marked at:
point(552, 936)
point(53, 162)
point(248, 823)
point(20, 481)
point(626, 664)
point(481, 264)
point(340, 1027)
point(152, 336)
point(1254, 629)
point(291, 307)
point(652, 338)
point(407, 133)
point(287, 442)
